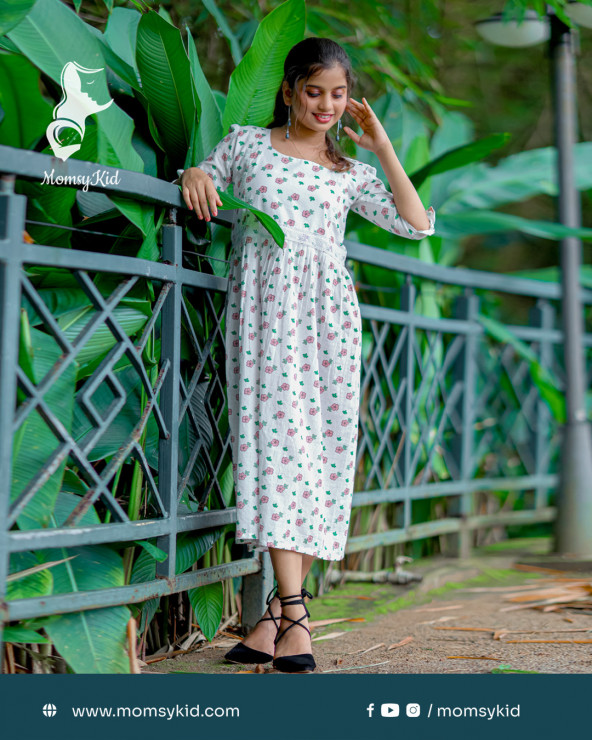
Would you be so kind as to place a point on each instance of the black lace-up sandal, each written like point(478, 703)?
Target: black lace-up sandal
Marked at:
point(243, 653)
point(304, 662)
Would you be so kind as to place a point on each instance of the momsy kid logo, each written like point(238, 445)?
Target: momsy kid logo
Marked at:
point(74, 107)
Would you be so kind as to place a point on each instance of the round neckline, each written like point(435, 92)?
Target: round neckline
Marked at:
point(297, 159)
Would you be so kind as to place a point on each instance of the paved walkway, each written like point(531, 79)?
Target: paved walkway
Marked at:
point(455, 620)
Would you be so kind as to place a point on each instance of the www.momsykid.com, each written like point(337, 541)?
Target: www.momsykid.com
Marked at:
point(172, 712)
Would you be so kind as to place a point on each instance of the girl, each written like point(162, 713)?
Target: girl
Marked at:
point(293, 325)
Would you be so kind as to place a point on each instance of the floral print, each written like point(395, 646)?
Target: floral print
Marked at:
point(294, 341)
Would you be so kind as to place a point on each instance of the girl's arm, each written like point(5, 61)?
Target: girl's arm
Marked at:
point(371, 199)
point(404, 215)
point(215, 171)
point(407, 200)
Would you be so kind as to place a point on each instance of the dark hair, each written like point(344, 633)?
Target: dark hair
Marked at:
point(304, 60)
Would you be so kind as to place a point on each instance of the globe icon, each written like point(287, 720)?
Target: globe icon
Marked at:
point(49, 710)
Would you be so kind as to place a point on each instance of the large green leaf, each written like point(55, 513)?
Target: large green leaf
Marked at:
point(223, 25)
point(26, 112)
point(12, 13)
point(209, 131)
point(208, 603)
point(38, 583)
point(459, 157)
point(189, 437)
point(94, 640)
point(190, 548)
point(123, 425)
point(540, 375)
point(17, 633)
point(52, 35)
point(491, 222)
point(131, 314)
point(142, 216)
point(120, 35)
point(231, 201)
point(553, 275)
point(515, 178)
point(36, 444)
point(48, 204)
point(166, 83)
point(254, 83)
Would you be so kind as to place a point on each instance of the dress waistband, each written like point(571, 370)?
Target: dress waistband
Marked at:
point(298, 237)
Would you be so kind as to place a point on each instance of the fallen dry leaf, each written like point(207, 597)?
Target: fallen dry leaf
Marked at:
point(404, 641)
point(355, 667)
point(329, 636)
point(324, 622)
point(571, 642)
point(367, 650)
point(473, 657)
point(440, 619)
point(468, 629)
point(345, 596)
point(438, 608)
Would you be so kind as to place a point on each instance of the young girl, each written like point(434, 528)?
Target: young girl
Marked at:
point(293, 325)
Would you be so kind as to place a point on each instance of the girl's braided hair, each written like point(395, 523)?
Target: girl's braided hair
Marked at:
point(304, 60)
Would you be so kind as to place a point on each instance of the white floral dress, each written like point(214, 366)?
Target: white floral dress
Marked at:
point(294, 340)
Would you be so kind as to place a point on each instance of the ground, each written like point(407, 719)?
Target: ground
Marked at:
point(443, 598)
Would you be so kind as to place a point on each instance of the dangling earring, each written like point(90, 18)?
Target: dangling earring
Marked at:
point(338, 129)
point(288, 126)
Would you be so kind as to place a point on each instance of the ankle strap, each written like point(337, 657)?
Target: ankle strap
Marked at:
point(271, 595)
point(302, 594)
point(283, 599)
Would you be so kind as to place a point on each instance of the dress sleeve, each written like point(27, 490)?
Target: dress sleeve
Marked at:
point(373, 201)
point(219, 162)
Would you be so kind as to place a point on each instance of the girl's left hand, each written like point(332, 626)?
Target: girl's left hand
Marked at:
point(374, 136)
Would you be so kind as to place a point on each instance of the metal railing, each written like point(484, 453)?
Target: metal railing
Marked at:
point(445, 412)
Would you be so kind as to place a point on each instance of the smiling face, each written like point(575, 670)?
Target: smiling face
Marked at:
point(319, 102)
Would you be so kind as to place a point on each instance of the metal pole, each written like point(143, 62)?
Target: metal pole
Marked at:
point(573, 526)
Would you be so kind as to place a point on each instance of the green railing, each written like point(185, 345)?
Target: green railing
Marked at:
point(448, 413)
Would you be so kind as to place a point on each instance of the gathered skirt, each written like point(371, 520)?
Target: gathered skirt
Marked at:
point(293, 360)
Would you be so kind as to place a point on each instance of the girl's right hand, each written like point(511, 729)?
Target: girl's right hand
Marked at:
point(198, 191)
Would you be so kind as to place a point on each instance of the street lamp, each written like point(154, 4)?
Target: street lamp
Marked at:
point(573, 526)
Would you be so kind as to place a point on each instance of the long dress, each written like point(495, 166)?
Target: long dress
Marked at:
point(293, 341)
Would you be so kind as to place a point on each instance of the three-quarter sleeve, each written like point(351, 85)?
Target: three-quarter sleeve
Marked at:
point(373, 201)
point(220, 161)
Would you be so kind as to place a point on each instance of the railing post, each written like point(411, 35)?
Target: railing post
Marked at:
point(466, 308)
point(407, 377)
point(168, 453)
point(12, 225)
point(543, 316)
point(255, 588)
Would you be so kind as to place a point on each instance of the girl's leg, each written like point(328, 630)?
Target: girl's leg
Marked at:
point(263, 634)
point(306, 563)
point(288, 567)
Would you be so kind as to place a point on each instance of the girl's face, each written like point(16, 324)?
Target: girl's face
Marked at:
point(319, 102)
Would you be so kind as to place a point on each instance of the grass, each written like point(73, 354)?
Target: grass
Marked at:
point(385, 600)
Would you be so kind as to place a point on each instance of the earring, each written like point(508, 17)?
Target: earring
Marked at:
point(288, 126)
point(338, 129)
